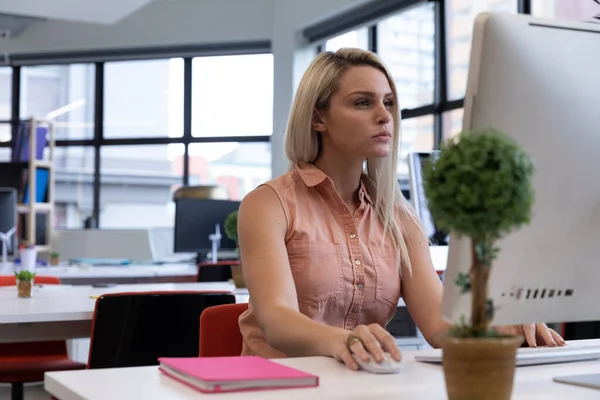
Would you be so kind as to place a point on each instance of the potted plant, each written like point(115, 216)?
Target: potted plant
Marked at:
point(479, 188)
point(231, 232)
point(24, 281)
point(54, 258)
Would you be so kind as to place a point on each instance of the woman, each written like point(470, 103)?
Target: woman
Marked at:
point(329, 247)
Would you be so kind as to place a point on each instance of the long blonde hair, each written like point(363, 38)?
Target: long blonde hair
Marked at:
point(318, 84)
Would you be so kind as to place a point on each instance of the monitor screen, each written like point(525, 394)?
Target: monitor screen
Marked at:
point(8, 214)
point(196, 219)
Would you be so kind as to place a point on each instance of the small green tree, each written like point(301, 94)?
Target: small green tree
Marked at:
point(24, 275)
point(480, 187)
point(231, 226)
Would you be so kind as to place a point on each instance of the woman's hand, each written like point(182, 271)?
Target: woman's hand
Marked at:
point(535, 334)
point(366, 342)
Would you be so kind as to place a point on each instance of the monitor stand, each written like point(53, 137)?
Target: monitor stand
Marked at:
point(591, 381)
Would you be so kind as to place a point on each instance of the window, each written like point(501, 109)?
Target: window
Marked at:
point(143, 99)
point(576, 10)
point(74, 186)
point(417, 135)
point(453, 121)
point(5, 93)
point(405, 42)
point(232, 95)
point(460, 15)
point(5, 132)
point(239, 167)
point(4, 154)
point(64, 93)
point(358, 38)
point(137, 183)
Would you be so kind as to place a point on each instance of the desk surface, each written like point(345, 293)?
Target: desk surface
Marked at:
point(67, 303)
point(416, 381)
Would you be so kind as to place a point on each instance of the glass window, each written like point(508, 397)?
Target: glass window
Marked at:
point(576, 10)
point(137, 184)
point(5, 132)
point(63, 93)
point(239, 167)
point(5, 92)
point(232, 95)
point(417, 135)
point(4, 154)
point(452, 121)
point(405, 42)
point(357, 38)
point(74, 186)
point(143, 99)
point(460, 16)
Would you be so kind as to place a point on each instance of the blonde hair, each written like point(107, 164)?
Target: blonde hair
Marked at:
point(317, 86)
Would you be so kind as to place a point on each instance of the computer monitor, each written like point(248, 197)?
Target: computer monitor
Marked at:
point(538, 81)
point(196, 219)
point(8, 217)
point(416, 162)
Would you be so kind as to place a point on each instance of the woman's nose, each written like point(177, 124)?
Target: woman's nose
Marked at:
point(383, 115)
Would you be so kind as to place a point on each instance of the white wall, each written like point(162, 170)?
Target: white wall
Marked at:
point(181, 22)
point(184, 22)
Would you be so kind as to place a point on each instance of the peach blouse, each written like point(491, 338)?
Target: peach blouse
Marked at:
point(345, 275)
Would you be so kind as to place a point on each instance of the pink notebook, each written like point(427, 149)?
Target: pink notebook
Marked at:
point(226, 374)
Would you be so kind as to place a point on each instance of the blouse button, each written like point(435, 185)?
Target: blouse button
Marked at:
point(352, 235)
point(357, 261)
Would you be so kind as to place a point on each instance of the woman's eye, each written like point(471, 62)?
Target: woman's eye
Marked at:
point(362, 103)
point(389, 103)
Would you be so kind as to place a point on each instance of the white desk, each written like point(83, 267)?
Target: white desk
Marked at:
point(137, 273)
point(416, 381)
point(65, 312)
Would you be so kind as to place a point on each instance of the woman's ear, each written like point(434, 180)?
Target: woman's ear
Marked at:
point(317, 123)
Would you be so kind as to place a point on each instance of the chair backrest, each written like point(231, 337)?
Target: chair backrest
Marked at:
point(10, 280)
point(135, 329)
point(219, 330)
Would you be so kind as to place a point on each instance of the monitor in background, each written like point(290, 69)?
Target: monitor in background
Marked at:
point(8, 217)
point(538, 81)
point(416, 161)
point(195, 220)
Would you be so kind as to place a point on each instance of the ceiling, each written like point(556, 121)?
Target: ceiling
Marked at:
point(90, 11)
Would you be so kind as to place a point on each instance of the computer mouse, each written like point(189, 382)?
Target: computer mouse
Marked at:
point(387, 366)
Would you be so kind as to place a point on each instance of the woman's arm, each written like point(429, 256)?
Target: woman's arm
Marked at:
point(422, 292)
point(262, 227)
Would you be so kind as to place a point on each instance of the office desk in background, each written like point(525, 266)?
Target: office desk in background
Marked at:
point(416, 381)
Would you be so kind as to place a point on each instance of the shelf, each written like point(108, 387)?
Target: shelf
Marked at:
point(42, 248)
point(42, 207)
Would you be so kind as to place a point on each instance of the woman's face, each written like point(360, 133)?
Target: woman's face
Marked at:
point(358, 121)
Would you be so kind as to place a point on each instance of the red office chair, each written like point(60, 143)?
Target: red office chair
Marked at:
point(219, 330)
point(27, 362)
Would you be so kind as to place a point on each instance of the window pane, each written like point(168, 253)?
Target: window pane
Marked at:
point(5, 92)
point(460, 16)
point(143, 99)
point(238, 167)
point(4, 154)
point(64, 93)
point(5, 132)
point(452, 121)
point(417, 135)
point(576, 10)
point(137, 184)
point(232, 95)
point(405, 43)
point(74, 177)
point(357, 38)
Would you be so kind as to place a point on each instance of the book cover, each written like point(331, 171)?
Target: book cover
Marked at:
point(222, 374)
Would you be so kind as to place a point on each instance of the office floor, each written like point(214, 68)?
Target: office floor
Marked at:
point(32, 392)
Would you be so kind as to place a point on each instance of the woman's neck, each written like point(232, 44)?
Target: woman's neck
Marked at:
point(345, 175)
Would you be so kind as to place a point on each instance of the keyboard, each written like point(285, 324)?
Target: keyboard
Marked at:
point(533, 355)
